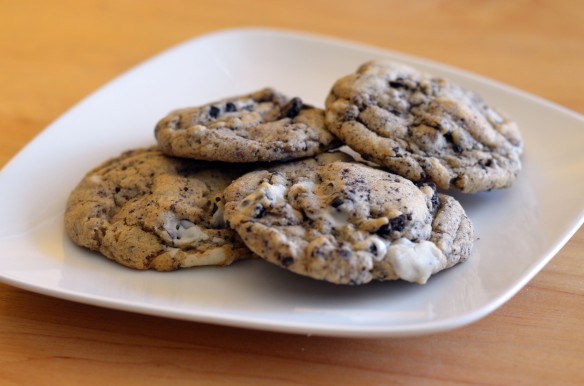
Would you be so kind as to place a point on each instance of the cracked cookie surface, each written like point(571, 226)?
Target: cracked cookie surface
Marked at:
point(424, 128)
point(148, 211)
point(347, 223)
point(263, 126)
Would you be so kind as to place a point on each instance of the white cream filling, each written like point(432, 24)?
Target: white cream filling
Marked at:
point(415, 261)
point(265, 192)
point(337, 218)
point(275, 192)
point(215, 256)
point(380, 245)
point(183, 232)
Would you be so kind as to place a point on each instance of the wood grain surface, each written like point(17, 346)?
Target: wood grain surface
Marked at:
point(54, 53)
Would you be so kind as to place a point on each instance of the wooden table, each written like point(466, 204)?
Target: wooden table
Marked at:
point(54, 53)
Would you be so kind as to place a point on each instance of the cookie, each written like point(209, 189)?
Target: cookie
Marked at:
point(263, 126)
point(148, 211)
point(424, 128)
point(347, 223)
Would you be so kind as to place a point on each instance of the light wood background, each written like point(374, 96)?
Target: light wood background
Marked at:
point(53, 53)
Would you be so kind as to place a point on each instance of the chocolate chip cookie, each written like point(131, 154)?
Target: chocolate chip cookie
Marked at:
point(424, 128)
point(263, 126)
point(347, 223)
point(148, 211)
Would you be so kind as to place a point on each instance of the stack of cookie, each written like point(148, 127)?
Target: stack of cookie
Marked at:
point(371, 211)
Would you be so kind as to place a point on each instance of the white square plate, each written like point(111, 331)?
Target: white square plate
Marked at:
point(519, 229)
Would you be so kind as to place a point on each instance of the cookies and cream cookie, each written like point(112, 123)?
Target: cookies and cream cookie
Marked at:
point(260, 127)
point(148, 211)
point(424, 128)
point(347, 223)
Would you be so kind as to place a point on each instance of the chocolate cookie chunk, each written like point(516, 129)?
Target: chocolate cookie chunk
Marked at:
point(148, 211)
point(263, 126)
point(347, 223)
point(424, 128)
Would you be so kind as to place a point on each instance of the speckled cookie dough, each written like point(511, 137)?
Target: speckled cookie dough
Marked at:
point(347, 223)
point(424, 128)
point(148, 211)
point(260, 127)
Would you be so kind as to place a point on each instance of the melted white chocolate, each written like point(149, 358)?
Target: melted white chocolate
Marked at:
point(182, 232)
point(415, 261)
